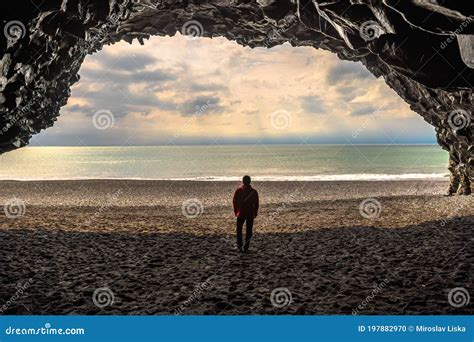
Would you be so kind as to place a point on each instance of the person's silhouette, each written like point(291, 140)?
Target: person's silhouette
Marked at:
point(245, 209)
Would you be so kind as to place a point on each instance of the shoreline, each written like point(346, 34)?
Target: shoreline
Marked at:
point(315, 178)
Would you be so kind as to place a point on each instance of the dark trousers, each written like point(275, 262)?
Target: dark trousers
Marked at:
point(248, 232)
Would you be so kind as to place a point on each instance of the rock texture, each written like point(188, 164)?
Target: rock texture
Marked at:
point(423, 49)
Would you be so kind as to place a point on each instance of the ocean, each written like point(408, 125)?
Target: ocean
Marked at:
point(227, 162)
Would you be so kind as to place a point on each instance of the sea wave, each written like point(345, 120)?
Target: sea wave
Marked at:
point(316, 178)
point(268, 178)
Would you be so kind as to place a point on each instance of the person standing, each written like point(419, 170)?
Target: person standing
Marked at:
point(245, 204)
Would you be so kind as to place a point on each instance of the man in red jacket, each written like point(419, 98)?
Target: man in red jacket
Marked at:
point(246, 209)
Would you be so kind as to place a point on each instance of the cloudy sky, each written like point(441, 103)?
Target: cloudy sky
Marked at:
point(191, 91)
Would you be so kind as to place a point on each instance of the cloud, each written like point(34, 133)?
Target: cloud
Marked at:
point(348, 92)
point(154, 92)
point(313, 104)
point(80, 108)
point(364, 111)
point(120, 100)
point(348, 71)
point(204, 87)
point(125, 62)
point(126, 77)
point(201, 105)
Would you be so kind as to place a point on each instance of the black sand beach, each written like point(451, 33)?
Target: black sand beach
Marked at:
point(162, 247)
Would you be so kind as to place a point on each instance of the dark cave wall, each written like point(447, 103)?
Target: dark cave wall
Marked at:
point(421, 49)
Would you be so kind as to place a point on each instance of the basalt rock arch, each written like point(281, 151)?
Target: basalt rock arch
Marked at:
point(423, 49)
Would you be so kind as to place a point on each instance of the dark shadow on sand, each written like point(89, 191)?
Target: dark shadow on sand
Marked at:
point(327, 271)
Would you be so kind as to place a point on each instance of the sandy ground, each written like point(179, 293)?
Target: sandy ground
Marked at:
point(128, 247)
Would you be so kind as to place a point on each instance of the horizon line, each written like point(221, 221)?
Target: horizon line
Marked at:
point(245, 144)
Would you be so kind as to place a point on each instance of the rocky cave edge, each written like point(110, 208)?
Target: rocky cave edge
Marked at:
point(424, 49)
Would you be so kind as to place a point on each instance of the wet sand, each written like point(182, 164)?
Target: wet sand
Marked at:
point(131, 247)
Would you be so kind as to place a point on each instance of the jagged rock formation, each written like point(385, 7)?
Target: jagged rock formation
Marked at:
point(423, 49)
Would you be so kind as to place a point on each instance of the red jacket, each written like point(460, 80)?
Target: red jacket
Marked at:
point(246, 202)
